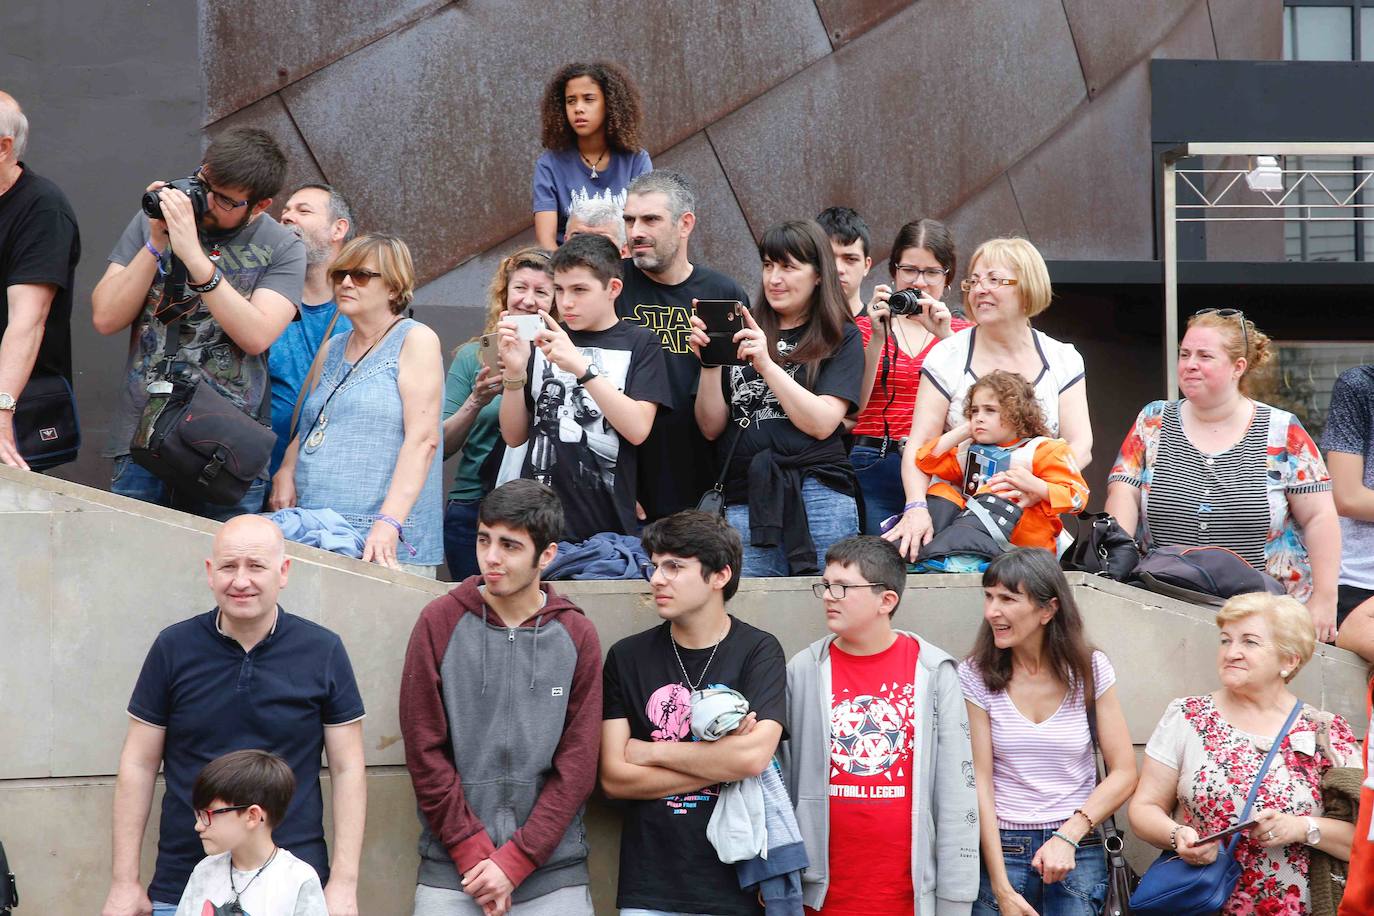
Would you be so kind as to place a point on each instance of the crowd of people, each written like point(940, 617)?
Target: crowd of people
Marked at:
point(836, 438)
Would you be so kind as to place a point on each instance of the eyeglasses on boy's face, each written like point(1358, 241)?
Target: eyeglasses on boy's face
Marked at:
point(669, 568)
point(207, 815)
point(836, 590)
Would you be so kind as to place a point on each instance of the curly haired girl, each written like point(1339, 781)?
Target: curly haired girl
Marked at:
point(591, 121)
point(1004, 448)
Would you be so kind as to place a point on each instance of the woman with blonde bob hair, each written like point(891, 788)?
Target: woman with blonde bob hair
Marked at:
point(521, 285)
point(369, 428)
point(1205, 753)
point(1008, 284)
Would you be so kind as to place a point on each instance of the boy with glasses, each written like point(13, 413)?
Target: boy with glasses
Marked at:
point(883, 784)
point(648, 757)
point(238, 799)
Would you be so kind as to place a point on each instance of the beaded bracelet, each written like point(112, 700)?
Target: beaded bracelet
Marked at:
point(1173, 837)
point(1091, 825)
point(1065, 839)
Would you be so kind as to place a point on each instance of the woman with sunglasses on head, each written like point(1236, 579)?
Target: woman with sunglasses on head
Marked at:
point(895, 347)
point(1218, 468)
point(370, 427)
point(522, 285)
point(1008, 285)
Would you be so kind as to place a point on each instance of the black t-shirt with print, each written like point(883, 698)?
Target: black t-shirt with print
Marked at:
point(840, 375)
point(666, 862)
point(679, 464)
point(573, 448)
point(40, 244)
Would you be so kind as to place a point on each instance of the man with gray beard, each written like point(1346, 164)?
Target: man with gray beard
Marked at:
point(320, 215)
point(677, 463)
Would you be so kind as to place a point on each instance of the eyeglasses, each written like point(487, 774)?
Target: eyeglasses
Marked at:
point(669, 568)
point(207, 815)
point(836, 591)
point(222, 201)
point(977, 282)
point(913, 273)
point(1239, 316)
point(360, 276)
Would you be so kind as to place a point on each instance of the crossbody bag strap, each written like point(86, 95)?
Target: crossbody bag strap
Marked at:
point(310, 377)
point(1259, 777)
point(1109, 828)
point(739, 427)
point(988, 522)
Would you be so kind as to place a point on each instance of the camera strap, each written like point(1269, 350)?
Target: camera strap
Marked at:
point(170, 308)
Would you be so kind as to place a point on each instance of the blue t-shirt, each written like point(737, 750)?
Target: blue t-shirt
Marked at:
point(561, 179)
point(211, 698)
point(289, 362)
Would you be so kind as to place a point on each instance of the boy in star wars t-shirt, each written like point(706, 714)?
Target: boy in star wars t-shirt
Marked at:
point(880, 769)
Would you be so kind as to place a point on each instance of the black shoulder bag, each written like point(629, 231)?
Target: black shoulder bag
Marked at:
point(46, 428)
point(1121, 878)
point(9, 890)
point(196, 440)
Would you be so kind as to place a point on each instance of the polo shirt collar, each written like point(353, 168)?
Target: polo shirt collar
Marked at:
point(276, 622)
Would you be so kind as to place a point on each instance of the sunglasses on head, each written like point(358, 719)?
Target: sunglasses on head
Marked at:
point(1239, 316)
point(360, 276)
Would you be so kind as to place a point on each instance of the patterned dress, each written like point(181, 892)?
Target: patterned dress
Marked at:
point(1217, 765)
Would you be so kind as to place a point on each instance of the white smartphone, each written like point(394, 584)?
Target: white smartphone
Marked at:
point(528, 326)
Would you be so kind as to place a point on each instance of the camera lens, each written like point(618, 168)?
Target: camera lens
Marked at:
point(151, 205)
point(905, 302)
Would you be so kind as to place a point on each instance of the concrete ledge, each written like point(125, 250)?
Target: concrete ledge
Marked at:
point(89, 578)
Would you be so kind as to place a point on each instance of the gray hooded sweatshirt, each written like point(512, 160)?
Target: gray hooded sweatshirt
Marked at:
point(944, 856)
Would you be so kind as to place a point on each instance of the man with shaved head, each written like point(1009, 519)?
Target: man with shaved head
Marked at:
point(245, 674)
point(39, 248)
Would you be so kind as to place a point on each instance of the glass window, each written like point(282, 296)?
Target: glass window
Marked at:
point(1318, 33)
point(1300, 377)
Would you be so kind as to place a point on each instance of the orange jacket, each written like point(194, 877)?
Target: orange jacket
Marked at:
point(1358, 899)
point(1053, 463)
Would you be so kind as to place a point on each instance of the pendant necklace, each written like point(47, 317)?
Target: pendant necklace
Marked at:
point(701, 680)
point(234, 906)
point(316, 434)
point(592, 165)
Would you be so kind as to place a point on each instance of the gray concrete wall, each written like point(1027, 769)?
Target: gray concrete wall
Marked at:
point(89, 578)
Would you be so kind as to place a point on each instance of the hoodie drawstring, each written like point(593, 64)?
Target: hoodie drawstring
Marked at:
point(484, 649)
point(534, 662)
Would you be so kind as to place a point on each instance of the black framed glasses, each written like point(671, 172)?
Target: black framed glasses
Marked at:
point(207, 815)
point(913, 273)
point(836, 591)
point(360, 276)
point(1240, 317)
point(223, 201)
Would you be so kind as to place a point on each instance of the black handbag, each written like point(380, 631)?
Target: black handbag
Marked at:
point(196, 440)
point(1101, 548)
point(1121, 878)
point(47, 431)
point(1202, 575)
point(9, 890)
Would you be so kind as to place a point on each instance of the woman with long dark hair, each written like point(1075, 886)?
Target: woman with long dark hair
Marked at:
point(1039, 801)
point(789, 487)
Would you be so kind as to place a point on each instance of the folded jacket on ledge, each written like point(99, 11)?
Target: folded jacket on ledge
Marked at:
point(601, 556)
point(322, 528)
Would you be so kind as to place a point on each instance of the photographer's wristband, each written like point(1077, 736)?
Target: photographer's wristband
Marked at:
point(157, 257)
point(208, 285)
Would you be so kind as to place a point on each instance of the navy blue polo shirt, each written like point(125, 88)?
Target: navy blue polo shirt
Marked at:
point(211, 697)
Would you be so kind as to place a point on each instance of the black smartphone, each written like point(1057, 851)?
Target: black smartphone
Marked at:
point(1223, 834)
point(724, 318)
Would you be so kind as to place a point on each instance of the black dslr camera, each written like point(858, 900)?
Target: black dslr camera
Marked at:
point(191, 187)
point(905, 302)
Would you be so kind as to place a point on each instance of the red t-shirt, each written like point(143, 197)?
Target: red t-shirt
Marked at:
point(903, 375)
point(872, 739)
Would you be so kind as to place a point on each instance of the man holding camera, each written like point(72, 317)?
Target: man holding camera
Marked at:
point(243, 275)
point(39, 248)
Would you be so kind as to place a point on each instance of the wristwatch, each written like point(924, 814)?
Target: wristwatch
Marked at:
point(7, 401)
point(1314, 833)
point(591, 373)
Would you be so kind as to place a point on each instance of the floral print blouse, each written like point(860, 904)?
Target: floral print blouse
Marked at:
point(1292, 465)
point(1217, 765)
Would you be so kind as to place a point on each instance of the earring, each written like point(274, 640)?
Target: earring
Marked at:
point(1283, 673)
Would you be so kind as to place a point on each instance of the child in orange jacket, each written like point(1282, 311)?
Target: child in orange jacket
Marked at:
point(1005, 441)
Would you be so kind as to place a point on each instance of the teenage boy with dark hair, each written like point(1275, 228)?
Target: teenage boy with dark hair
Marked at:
point(592, 387)
point(883, 784)
point(661, 283)
point(648, 756)
point(243, 276)
point(850, 239)
point(500, 705)
point(238, 799)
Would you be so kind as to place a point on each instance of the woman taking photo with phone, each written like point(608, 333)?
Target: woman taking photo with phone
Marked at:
point(895, 346)
point(592, 117)
point(522, 285)
point(789, 486)
point(1207, 751)
point(1031, 684)
point(370, 426)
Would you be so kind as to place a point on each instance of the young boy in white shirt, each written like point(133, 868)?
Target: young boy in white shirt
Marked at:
point(237, 799)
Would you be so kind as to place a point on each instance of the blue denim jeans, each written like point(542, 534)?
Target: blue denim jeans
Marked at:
point(881, 483)
point(831, 515)
point(164, 909)
point(1081, 893)
point(460, 539)
point(137, 482)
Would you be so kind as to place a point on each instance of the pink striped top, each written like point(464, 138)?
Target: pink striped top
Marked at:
point(1040, 773)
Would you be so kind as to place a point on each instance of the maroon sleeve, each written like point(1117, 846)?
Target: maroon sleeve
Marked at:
point(573, 774)
point(429, 750)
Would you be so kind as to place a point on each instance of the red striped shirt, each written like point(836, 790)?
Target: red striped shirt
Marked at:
point(903, 375)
